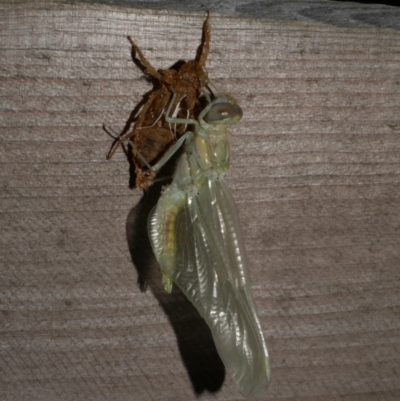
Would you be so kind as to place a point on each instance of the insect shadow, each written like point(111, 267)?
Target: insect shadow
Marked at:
point(196, 346)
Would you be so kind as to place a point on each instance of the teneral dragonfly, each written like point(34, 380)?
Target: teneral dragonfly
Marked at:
point(196, 237)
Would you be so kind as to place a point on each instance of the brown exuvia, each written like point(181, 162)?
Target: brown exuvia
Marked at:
point(151, 135)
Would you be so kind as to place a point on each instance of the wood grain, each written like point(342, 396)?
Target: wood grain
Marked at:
point(315, 173)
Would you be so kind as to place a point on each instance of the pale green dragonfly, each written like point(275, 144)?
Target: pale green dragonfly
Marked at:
point(196, 237)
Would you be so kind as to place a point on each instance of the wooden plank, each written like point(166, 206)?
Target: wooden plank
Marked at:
point(367, 14)
point(315, 173)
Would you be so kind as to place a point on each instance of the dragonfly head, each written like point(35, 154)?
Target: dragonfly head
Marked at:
point(223, 110)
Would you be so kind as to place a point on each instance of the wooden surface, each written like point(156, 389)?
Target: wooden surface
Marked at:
point(363, 13)
point(315, 174)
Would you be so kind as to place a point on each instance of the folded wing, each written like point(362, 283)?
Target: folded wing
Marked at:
point(198, 243)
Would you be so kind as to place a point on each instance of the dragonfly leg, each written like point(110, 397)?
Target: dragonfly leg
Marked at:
point(139, 155)
point(174, 120)
point(171, 151)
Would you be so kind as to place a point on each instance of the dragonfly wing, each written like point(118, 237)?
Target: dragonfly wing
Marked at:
point(198, 243)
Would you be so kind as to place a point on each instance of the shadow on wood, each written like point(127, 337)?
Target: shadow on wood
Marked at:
point(201, 359)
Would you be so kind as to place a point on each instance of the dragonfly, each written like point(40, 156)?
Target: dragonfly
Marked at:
point(196, 237)
point(152, 135)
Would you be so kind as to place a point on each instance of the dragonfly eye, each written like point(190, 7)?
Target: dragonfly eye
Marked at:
point(224, 112)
